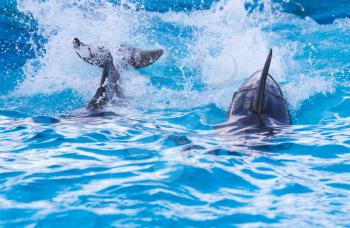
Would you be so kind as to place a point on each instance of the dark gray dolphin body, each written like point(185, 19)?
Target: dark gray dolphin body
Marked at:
point(259, 103)
point(110, 89)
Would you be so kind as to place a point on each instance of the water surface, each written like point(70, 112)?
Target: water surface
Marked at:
point(160, 161)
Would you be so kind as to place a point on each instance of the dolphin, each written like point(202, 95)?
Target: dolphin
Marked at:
point(125, 57)
point(259, 102)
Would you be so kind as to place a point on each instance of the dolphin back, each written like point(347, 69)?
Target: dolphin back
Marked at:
point(259, 101)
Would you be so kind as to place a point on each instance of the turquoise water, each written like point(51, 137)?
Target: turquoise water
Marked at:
point(160, 161)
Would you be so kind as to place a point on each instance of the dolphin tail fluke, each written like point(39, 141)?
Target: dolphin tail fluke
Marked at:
point(259, 102)
point(128, 56)
point(142, 58)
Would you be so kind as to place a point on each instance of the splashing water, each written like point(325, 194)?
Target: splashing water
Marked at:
point(205, 58)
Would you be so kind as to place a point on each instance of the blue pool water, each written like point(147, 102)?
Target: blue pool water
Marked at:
point(159, 161)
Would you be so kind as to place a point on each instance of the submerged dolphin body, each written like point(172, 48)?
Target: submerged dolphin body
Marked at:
point(109, 89)
point(259, 103)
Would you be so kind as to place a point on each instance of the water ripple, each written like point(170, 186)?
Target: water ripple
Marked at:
point(133, 171)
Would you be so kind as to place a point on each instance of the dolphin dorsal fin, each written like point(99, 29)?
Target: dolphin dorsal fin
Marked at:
point(259, 102)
